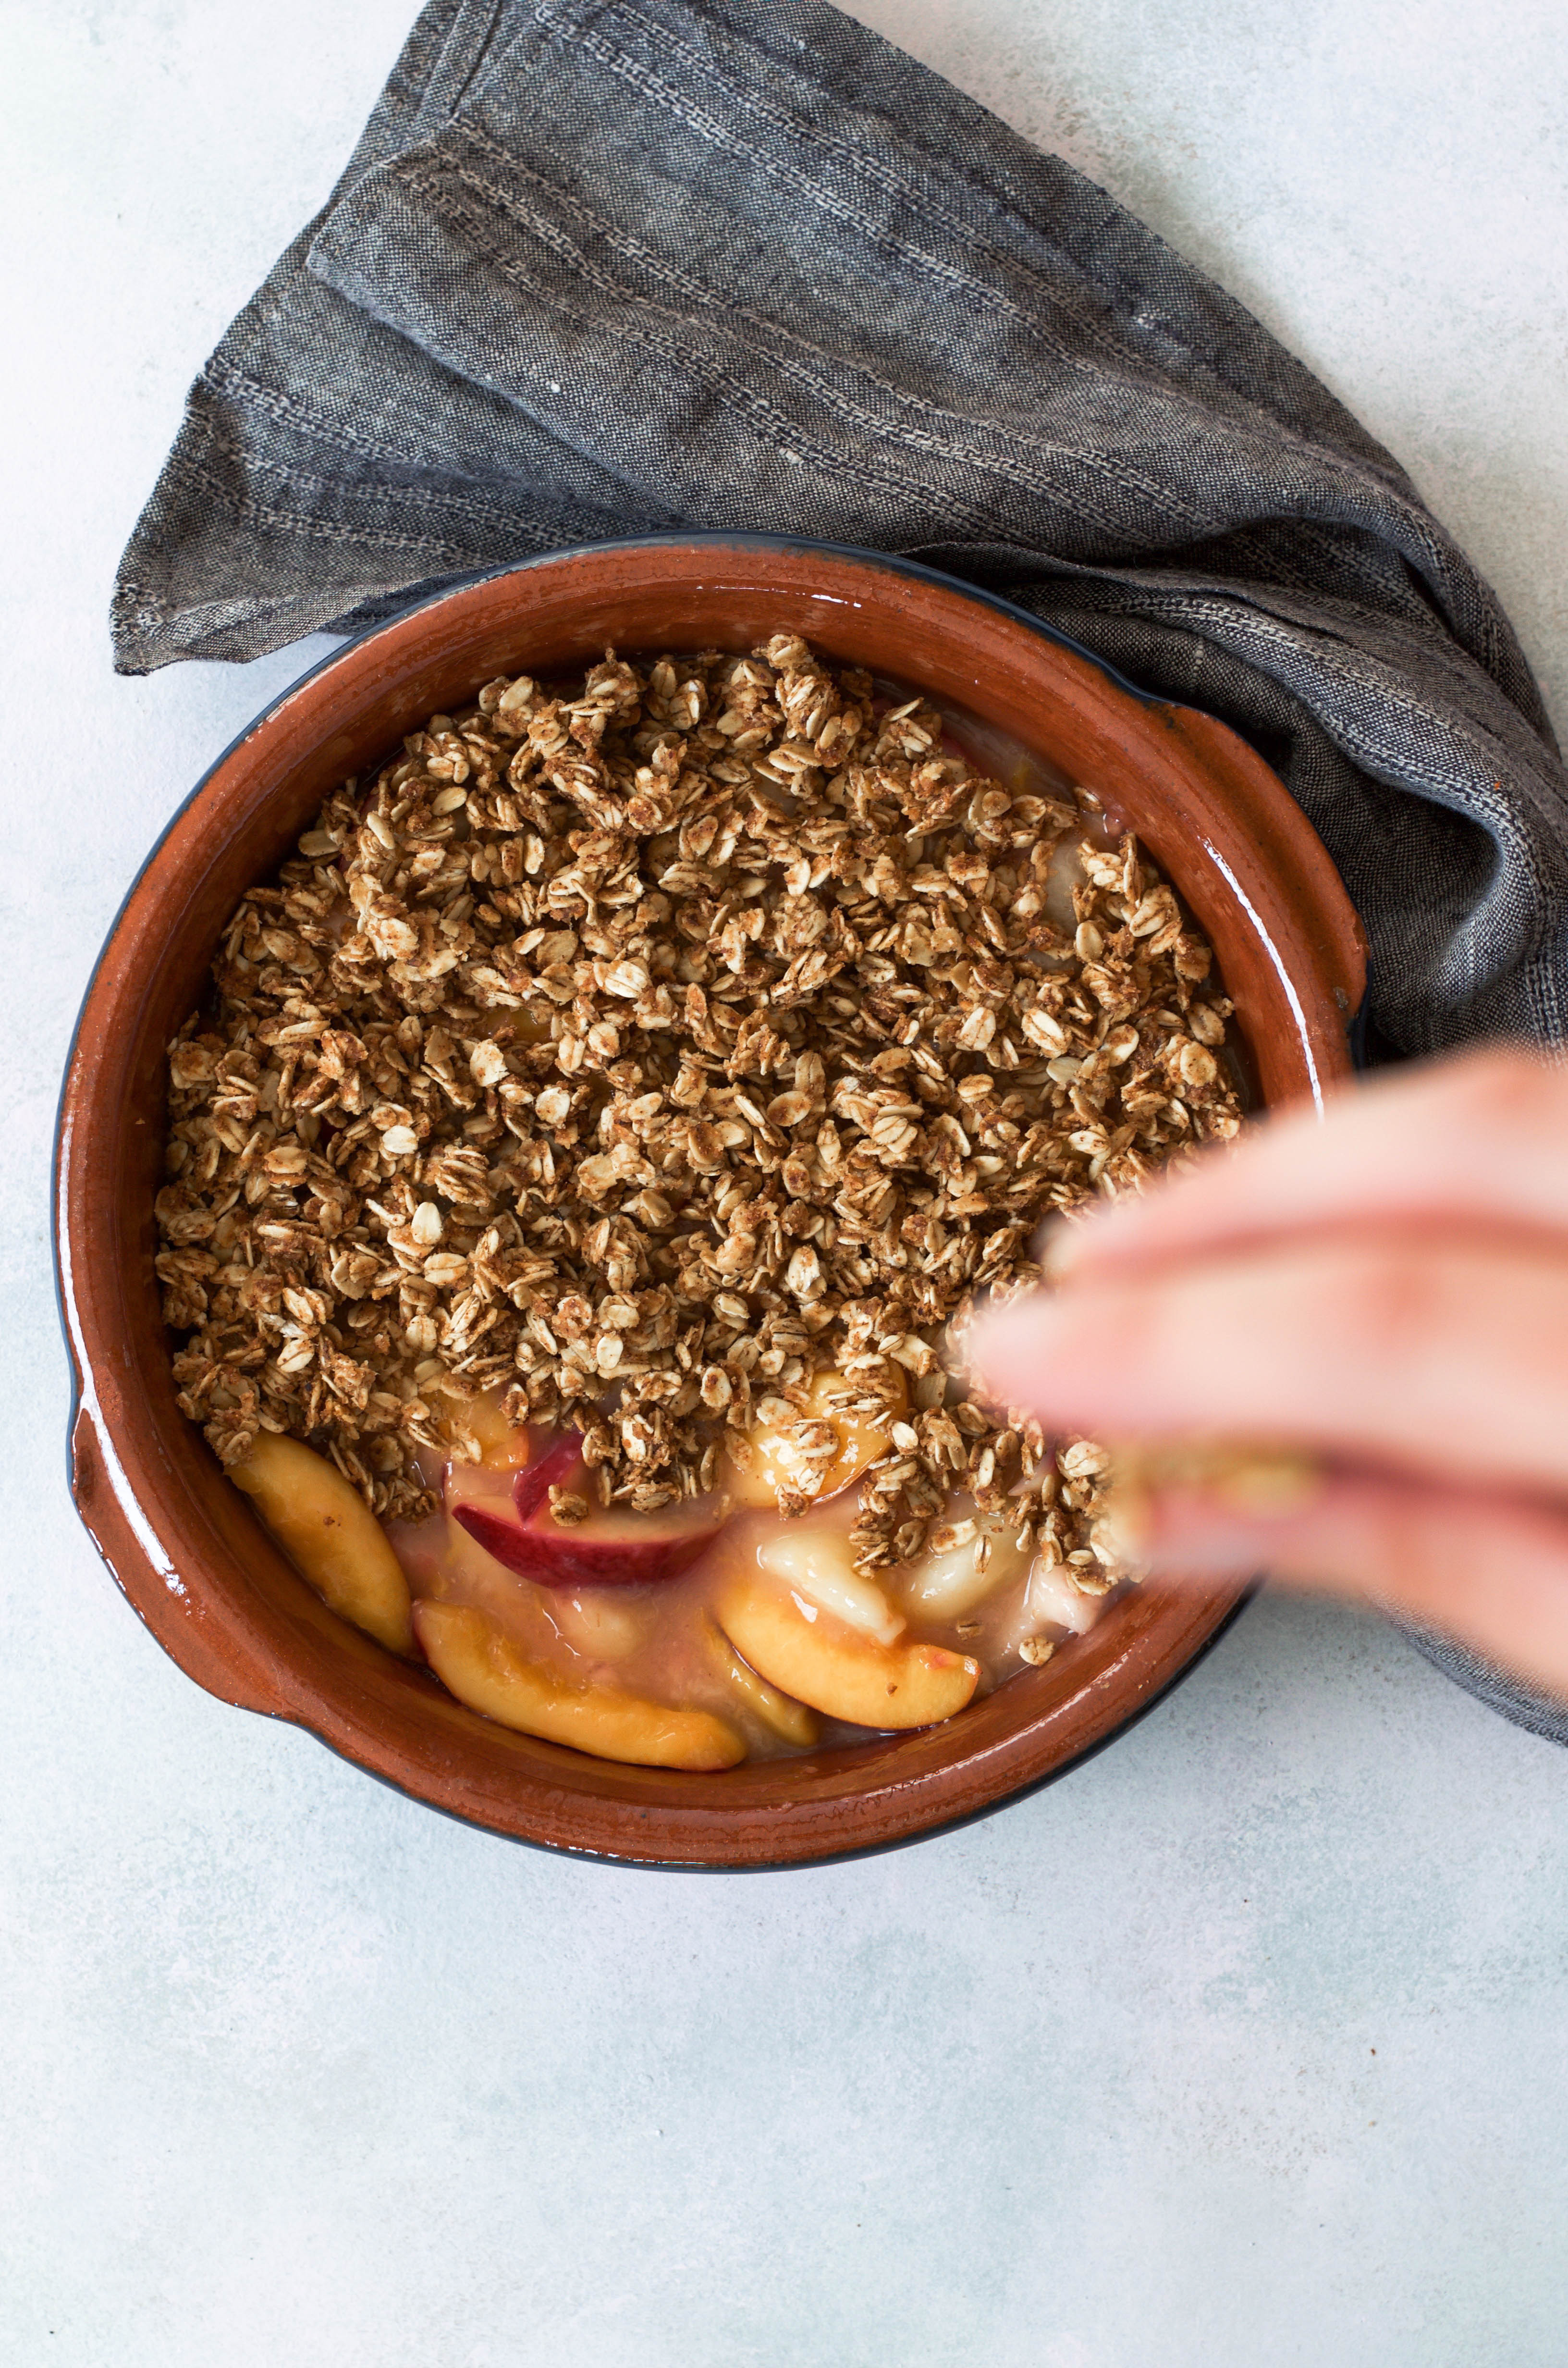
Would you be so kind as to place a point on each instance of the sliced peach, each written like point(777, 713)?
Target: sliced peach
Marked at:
point(937, 1586)
point(557, 1465)
point(814, 1557)
point(805, 1651)
point(776, 1460)
point(330, 1532)
point(1050, 1595)
point(600, 1622)
point(478, 1663)
point(610, 1548)
point(502, 1446)
point(792, 1721)
point(1050, 1600)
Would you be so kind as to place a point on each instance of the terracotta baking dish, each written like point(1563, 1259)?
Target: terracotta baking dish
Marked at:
point(184, 1545)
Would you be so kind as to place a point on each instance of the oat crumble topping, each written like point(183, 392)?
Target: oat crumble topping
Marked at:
point(642, 1050)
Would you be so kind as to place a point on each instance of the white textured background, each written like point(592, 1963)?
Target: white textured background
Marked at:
point(1246, 2044)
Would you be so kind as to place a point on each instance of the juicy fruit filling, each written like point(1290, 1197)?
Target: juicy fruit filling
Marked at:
point(587, 1158)
point(692, 1638)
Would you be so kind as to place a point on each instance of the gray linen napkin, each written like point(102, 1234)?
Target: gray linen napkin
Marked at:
point(607, 266)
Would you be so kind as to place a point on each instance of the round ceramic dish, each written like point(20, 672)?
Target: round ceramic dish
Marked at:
point(184, 1544)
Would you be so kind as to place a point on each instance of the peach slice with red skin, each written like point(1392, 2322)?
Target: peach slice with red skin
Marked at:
point(479, 1664)
point(610, 1549)
point(838, 1670)
point(561, 1463)
point(326, 1527)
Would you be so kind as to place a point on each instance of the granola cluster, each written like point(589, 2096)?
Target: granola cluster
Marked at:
point(643, 1048)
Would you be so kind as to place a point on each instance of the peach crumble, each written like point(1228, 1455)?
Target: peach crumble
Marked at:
point(587, 1158)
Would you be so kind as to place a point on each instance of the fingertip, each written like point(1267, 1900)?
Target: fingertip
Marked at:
point(1058, 1246)
point(1009, 1347)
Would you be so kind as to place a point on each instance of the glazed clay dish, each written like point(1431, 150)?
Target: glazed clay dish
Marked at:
point(591, 1141)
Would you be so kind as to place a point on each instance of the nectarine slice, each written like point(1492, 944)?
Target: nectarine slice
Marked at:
point(814, 1557)
point(945, 1586)
point(333, 1539)
point(632, 1551)
point(776, 1460)
point(611, 1548)
point(478, 1663)
point(792, 1721)
point(807, 1653)
point(502, 1446)
point(553, 1468)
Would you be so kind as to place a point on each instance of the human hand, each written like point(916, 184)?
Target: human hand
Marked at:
point(1384, 1293)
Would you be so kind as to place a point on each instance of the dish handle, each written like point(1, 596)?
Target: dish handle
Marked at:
point(221, 1658)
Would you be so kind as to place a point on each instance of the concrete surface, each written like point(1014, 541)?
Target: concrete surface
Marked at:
point(1246, 2044)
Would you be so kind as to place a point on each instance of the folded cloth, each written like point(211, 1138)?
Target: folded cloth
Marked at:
point(1538, 1714)
point(603, 266)
point(607, 267)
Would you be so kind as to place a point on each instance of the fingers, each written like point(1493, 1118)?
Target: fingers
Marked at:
point(1483, 1140)
point(1388, 1290)
point(1493, 1572)
point(1429, 1356)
